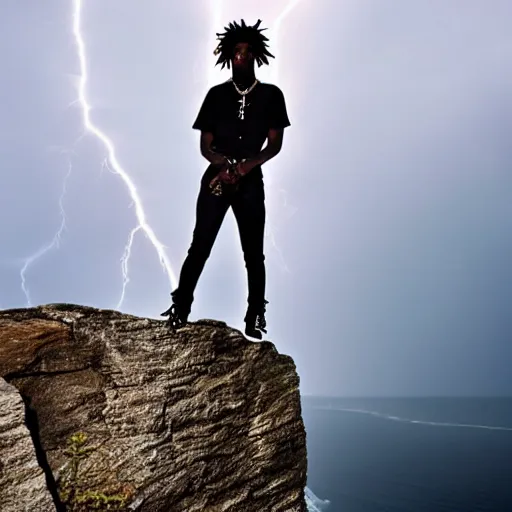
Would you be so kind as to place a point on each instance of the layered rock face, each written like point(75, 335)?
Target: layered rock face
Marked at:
point(105, 411)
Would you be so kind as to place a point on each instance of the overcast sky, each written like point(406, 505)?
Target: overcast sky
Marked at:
point(389, 208)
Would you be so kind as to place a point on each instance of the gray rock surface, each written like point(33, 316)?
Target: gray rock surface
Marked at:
point(22, 481)
point(127, 411)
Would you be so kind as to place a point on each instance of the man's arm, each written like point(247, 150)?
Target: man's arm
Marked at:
point(215, 159)
point(207, 152)
point(273, 147)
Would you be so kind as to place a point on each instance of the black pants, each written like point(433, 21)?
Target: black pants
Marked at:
point(248, 204)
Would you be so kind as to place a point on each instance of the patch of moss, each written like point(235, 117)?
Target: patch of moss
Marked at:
point(73, 492)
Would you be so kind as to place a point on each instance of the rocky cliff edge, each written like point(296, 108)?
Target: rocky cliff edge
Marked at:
point(101, 410)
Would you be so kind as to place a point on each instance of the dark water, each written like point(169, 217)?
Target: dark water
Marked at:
point(410, 454)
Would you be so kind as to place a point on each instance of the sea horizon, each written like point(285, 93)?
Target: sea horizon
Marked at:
point(409, 453)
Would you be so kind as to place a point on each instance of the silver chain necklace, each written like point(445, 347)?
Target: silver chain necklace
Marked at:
point(241, 113)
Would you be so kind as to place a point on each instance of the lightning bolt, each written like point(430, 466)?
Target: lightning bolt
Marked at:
point(289, 211)
point(287, 10)
point(112, 163)
point(216, 10)
point(53, 244)
point(276, 28)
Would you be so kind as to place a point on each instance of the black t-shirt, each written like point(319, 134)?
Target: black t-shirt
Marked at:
point(265, 108)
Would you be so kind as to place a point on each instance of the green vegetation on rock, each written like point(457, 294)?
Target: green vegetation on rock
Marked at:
point(74, 493)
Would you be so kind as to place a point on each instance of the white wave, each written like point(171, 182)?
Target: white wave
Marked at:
point(407, 420)
point(314, 503)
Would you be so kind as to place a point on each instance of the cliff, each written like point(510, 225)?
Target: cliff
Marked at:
point(107, 411)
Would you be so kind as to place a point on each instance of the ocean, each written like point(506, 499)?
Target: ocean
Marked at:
point(409, 454)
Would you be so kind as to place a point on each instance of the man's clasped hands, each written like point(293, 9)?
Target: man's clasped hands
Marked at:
point(226, 174)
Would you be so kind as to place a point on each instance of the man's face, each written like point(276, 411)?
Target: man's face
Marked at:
point(242, 56)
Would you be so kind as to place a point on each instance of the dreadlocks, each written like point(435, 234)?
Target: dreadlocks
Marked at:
point(243, 33)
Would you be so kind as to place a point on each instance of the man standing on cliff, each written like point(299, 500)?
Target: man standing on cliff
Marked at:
point(235, 119)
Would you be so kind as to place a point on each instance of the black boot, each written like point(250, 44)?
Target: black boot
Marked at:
point(255, 322)
point(177, 313)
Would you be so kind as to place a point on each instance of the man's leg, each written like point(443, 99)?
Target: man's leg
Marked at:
point(249, 209)
point(210, 212)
